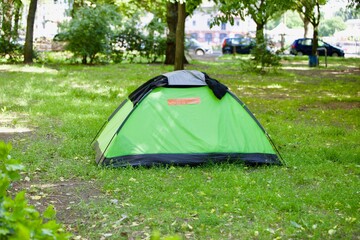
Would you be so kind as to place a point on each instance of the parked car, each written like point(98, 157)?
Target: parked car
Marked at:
point(242, 45)
point(349, 47)
point(303, 46)
point(197, 47)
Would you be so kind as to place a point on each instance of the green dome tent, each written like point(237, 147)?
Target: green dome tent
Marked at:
point(182, 118)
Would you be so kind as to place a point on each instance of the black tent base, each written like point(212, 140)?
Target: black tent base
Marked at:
point(148, 160)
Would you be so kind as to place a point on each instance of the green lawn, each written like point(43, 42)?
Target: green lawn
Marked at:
point(313, 116)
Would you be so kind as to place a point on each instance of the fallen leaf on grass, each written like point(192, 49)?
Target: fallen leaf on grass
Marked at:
point(37, 197)
point(295, 224)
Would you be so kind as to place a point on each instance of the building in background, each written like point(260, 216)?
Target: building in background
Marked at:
point(49, 14)
point(198, 26)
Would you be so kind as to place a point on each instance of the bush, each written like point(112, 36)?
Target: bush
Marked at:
point(90, 30)
point(130, 43)
point(11, 52)
point(265, 58)
point(18, 220)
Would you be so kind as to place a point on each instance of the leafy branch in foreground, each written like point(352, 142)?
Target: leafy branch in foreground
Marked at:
point(18, 219)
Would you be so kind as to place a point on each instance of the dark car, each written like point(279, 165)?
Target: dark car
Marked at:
point(197, 47)
point(242, 45)
point(303, 46)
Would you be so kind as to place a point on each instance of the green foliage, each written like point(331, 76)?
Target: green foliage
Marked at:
point(130, 43)
point(10, 16)
point(95, 32)
point(293, 20)
point(329, 26)
point(10, 51)
point(261, 12)
point(310, 9)
point(353, 4)
point(265, 58)
point(90, 30)
point(348, 13)
point(18, 220)
point(273, 23)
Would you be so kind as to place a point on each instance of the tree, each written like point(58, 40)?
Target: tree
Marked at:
point(171, 20)
point(354, 4)
point(28, 48)
point(348, 13)
point(10, 15)
point(310, 10)
point(329, 26)
point(180, 37)
point(167, 11)
point(174, 15)
point(261, 11)
point(303, 12)
point(90, 30)
point(293, 19)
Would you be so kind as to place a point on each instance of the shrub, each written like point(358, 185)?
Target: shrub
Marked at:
point(18, 220)
point(89, 31)
point(265, 58)
point(130, 43)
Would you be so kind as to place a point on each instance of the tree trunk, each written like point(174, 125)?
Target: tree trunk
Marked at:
point(260, 44)
point(306, 23)
point(6, 21)
point(315, 22)
point(260, 39)
point(171, 19)
point(315, 42)
point(17, 15)
point(180, 37)
point(28, 48)
point(306, 28)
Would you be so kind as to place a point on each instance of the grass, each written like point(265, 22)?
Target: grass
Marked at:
point(311, 114)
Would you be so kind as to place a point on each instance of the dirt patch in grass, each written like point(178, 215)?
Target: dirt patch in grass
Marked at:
point(13, 127)
point(320, 73)
point(331, 106)
point(64, 196)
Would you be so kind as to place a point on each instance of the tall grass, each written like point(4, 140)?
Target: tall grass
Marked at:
point(311, 114)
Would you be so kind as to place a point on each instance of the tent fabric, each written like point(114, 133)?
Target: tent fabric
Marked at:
point(187, 78)
point(183, 123)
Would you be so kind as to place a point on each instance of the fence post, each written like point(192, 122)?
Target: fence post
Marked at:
point(325, 50)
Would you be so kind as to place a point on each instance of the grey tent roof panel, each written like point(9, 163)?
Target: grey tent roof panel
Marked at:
point(186, 77)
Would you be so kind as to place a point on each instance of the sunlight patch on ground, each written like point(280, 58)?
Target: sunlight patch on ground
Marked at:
point(277, 86)
point(26, 68)
point(296, 68)
point(13, 124)
point(100, 89)
point(14, 130)
point(338, 96)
